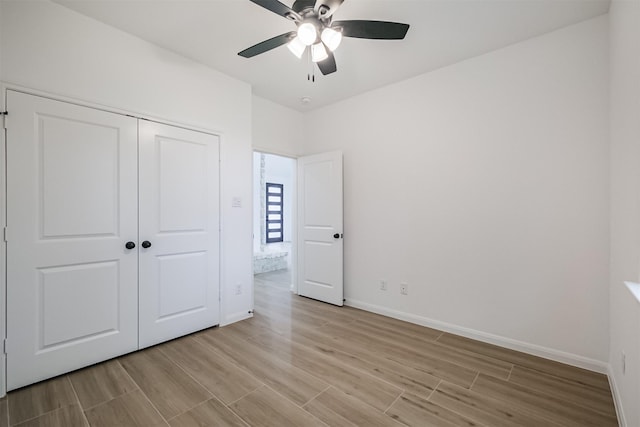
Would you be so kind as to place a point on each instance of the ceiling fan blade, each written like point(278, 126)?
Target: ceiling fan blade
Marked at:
point(276, 7)
point(326, 8)
point(380, 30)
point(267, 45)
point(328, 66)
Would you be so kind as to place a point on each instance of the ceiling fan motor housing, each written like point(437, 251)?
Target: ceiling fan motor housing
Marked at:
point(301, 5)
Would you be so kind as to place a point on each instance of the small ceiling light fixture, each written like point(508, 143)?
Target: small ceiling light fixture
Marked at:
point(296, 47)
point(307, 33)
point(331, 38)
point(318, 52)
point(305, 100)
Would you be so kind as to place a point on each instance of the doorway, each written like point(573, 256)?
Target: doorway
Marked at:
point(274, 226)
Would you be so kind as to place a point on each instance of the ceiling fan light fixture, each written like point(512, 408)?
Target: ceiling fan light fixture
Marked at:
point(331, 38)
point(316, 28)
point(318, 52)
point(307, 33)
point(296, 47)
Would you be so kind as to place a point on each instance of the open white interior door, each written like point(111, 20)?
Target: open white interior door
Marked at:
point(320, 243)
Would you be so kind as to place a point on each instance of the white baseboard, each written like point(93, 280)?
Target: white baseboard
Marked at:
point(622, 422)
point(533, 349)
point(235, 317)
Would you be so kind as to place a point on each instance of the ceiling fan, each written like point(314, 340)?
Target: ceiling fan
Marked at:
point(317, 30)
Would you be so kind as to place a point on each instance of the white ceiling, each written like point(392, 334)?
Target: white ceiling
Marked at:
point(442, 32)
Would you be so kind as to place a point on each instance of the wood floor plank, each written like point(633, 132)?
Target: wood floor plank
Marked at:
point(265, 408)
point(410, 330)
point(67, 416)
point(4, 412)
point(163, 382)
point(543, 405)
point(281, 279)
point(335, 408)
point(402, 376)
point(277, 323)
point(294, 383)
point(483, 409)
point(132, 410)
point(100, 383)
point(293, 315)
point(414, 411)
point(474, 361)
point(247, 328)
point(325, 311)
point(365, 387)
point(221, 377)
point(441, 368)
point(590, 397)
point(38, 399)
point(210, 413)
point(581, 376)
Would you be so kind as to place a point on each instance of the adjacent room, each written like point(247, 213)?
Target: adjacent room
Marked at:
point(320, 212)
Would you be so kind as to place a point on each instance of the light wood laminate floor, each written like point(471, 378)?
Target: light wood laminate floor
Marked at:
point(299, 362)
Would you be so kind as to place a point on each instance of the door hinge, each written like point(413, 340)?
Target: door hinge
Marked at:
point(5, 346)
point(4, 234)
point(4, 118)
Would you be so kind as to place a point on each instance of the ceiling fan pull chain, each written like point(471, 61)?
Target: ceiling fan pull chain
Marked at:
point(311, 76)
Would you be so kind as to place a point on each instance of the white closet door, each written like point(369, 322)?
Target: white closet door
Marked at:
point(72, 294)
point(179, 219)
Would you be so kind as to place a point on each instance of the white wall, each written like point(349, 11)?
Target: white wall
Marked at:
point(276, 129)
point(485, 187)
point(50, 48)
point(624, 18)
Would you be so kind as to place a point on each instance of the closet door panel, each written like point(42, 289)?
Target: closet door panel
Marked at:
point(179, 218)
point(72, 205)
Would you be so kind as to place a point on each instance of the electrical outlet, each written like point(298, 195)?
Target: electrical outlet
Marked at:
point(383, 285)
point(624, 363)
point(404, 288)
point(239, 289)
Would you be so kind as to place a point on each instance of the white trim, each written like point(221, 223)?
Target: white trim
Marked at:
point(622, 422)
point(108, 108)
point(533, 349)
point(3, 249)
point(220, 231)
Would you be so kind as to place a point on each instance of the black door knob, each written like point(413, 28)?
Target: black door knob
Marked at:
point(336, 236)
point(146, 244)
point(130, 245)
